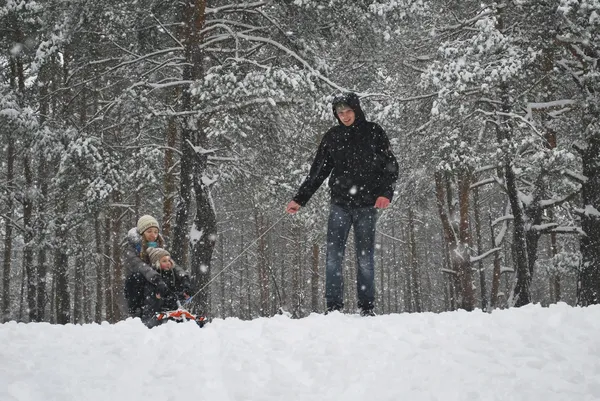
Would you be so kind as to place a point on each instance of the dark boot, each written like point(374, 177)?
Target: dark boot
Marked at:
point(332, 307)
point(367, 312)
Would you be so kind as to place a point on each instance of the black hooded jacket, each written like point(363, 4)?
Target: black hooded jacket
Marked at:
point(359, 159)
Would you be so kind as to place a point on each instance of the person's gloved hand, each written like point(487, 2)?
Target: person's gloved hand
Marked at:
point(161, 286)
point(187, 293)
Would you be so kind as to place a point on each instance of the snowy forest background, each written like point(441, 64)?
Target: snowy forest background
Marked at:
point(207, 114)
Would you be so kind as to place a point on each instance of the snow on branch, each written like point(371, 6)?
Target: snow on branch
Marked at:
point(503, 218)
point(580, 178)
point(449, 271)
point(467, 22)
point(544, 228)
point(589, 211)
point(482, 183)
point(569, 230)
point(549, 105)
point(229, 107)
point(296, 56)
point(545, 204)
point(484, 255)
point(486, 168)
point(235, 7)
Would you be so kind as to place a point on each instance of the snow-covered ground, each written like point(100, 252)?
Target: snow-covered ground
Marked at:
point(528, 354)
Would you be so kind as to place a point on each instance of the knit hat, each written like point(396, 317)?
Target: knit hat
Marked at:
point(145, 222)
point(155, 254)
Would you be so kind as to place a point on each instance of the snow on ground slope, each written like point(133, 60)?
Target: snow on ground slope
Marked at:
point(528, 354)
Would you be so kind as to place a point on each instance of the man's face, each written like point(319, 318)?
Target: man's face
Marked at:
point(346, 115)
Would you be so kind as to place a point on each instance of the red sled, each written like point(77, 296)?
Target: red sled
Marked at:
point(179, 316)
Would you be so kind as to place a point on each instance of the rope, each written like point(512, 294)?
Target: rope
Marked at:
point(236, 258)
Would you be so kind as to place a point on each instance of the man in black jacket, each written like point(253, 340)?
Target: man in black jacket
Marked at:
point(362, 170)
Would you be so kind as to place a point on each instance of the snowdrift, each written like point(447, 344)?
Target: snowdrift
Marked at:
point(526, 354)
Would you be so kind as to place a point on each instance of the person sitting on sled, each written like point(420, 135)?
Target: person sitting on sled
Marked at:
point(177, 286)
point(145, 283)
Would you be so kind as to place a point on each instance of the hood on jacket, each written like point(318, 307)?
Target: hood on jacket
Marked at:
point(351, 99)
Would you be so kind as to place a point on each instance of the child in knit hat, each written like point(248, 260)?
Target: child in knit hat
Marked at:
point(146, 282)
point(178, 287)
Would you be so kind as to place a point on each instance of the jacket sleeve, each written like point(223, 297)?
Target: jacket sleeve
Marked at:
point(134, 264)
point(182, 276)
point(320, 169)
point(391, 169)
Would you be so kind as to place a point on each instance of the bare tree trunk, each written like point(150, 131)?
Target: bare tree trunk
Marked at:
point(414, 264)
point(464, 261)
point(61, 277)
point(108, 283)
point(396, 268)
point(53, 300)
point(457, 235)
point(521, 294)
point(169, 178)
point(193, 19)
point(590, 242)
point(263, 274)
point(8, 230)
point(483, 292)
point(42, 199)
point(381, 290)
point(22, 295)
point(496, 272)
point(78, 302)
point(408, 298)
point(223, 279)
point(555, 294)
point(99, 270)
point(314, 278)
point(118, 281)
point(295, 298)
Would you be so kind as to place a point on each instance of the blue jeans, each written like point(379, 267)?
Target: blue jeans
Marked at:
point(341, 219)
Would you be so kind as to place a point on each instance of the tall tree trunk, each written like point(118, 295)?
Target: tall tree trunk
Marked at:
point(61, 276)
point(381, 290)
point(521, 295)
point(78, 301)
point(465, 272)
point(99, 269)
point(192, 18)
point(295, 296)
point(314, 278)
point(496, 272)
point(223, 278)
point(456, 233)
point(414, 264)
point(169, 177)
point(8, 229)
point(590, 223)
point(483, 292)
point(396, 284)
point(408, 299)
point(263, 274)
point(554, 274)
point(42, 200)
point(118, 280)
point(108, 283)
